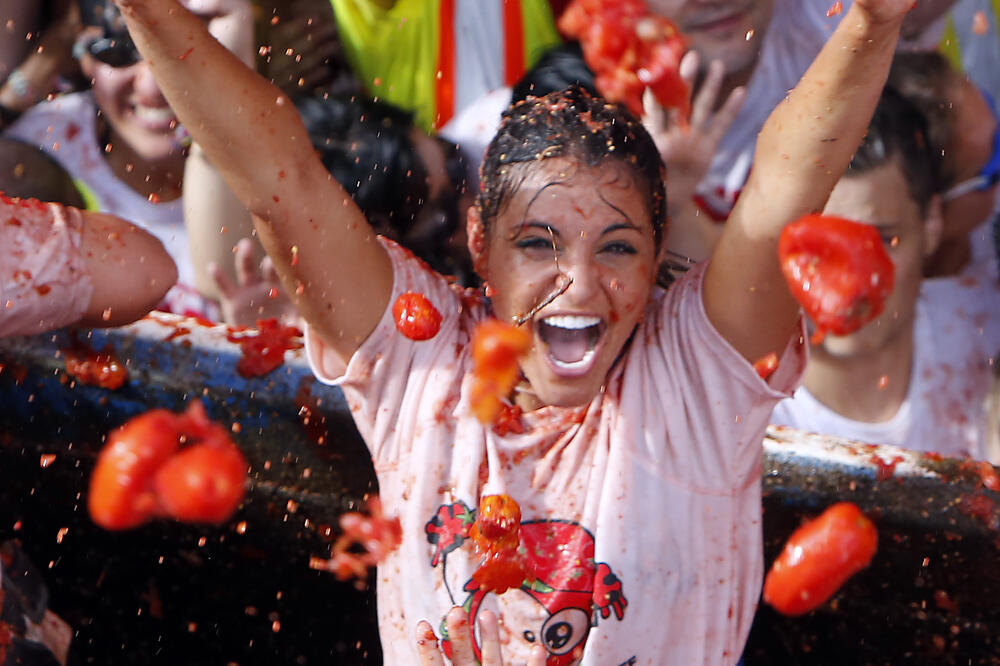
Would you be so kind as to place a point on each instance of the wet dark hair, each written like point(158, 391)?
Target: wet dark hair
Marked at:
point(569, 123)
point(558, 68)
point(898, 132)
point(926, 79)
point(366, 146)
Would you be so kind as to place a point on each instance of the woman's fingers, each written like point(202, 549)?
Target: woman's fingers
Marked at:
point(489, 639)
point(724, 117)
point(538, 656)
point(460, 635)
point(221, 280)
point(704, 102)
point(246, 267)
point(427, 645)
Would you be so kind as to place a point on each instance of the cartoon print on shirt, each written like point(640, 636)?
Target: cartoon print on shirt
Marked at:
point(557, 609)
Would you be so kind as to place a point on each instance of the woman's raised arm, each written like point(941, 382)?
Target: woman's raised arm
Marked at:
point(328, 258)
point(802, 151)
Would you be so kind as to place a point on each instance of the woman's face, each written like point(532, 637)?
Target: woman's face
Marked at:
point(593, 225)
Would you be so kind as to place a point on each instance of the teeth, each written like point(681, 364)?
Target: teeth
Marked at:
point(575, 364)
point(162, 114)
point(573, 322)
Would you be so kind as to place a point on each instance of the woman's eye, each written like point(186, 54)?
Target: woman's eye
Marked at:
point(619, 247)
point(535, 243)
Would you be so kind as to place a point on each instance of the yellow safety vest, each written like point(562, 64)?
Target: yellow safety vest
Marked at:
point(405, 55)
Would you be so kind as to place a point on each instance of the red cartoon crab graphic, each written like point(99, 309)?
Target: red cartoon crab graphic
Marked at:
point(569, 594)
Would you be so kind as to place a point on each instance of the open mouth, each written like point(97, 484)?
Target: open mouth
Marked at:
point(162, 118)
point(571, 340)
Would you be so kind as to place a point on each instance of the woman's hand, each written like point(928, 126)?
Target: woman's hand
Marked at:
point(687, 151)
point(884, 11)
point(257, 294)
point(462, 652)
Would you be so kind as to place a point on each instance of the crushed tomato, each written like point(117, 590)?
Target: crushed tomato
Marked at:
point(496, 347)
point(496, 537)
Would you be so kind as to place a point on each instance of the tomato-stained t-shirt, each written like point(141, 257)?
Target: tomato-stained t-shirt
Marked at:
point(640, 510)
point(43, 276)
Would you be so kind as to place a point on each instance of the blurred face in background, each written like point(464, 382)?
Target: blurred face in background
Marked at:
point(129, 98)
point(727, 30)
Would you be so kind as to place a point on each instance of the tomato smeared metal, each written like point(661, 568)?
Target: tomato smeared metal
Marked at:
point(838, 271)
point(162, 464)
point(264, 349)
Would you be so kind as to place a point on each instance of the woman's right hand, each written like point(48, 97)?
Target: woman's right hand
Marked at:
point(462, 652)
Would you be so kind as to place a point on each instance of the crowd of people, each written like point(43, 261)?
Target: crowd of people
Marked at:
point(220, 152)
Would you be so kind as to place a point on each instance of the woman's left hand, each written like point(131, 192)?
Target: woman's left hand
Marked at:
point(462, 653)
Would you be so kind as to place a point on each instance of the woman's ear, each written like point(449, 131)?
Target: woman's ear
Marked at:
point(83, 40)
point(477, 241)
point(933, 225)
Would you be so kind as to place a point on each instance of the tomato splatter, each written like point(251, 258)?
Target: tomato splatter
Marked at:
point(265, 351)
point(508, 421)
point(162, 464)
point(496, 347)
point(629, 49)
point(495, 535)
point(838, 270)
point(986, 472)
point(415, 316)
point(374, 535)
point(819, 557)
point(766, 365)
point(835, 8)
point(95, 368)
point(884, 469)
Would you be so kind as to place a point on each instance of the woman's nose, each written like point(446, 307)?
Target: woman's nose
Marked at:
point(586, 280)
point(146, 89)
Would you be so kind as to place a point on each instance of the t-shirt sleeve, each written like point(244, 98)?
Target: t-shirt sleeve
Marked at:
point(387, 376)
point(44, 282)
point(716, 405)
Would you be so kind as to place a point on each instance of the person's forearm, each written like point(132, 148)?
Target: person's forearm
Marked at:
point(837, 95)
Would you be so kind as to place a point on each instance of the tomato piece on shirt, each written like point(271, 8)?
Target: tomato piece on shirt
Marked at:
point(819, 557)
point(838, 270)
point(415, 316)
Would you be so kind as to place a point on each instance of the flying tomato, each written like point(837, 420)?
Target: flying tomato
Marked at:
point(415, 316)
point(162, 464)
point(819, 557)
point(629, 49)
point(838, 270)
point(496, 347)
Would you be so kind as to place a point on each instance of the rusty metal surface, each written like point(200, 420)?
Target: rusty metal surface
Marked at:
point(174, 594)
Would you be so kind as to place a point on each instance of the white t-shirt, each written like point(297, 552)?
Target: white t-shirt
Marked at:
point(956, 334)
point(66, 129)
point(640, 510)
point(44, 282)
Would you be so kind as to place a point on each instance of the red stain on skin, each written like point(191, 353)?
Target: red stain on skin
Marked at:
point(184, 55)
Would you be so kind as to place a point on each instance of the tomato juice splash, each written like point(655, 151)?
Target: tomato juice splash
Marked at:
point(366, 541)
point(838, 270)
point(819, 557)
point(496, 537)
point(162, 464)
point(264, 351)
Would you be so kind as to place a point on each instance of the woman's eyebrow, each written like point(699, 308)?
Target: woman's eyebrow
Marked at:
point(544, 226)
point(621, 225)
